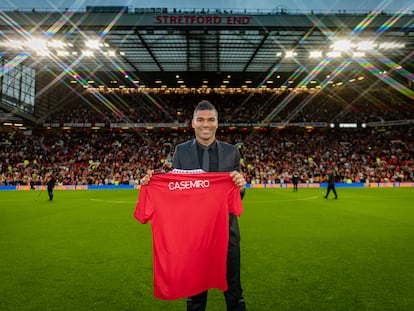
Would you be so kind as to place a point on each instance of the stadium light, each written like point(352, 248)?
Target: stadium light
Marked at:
point(290, 54)
point(37, 44)
point(110, 53)
point(333, 54)
point(63, 53)
point(315, 54)
point(58, 44)
point(342, 45)
point(43, 52)
point(87, 53)
point(358, 54)
point(366, 45)
point(93, 44)
point(390, 45)
point(14, 44)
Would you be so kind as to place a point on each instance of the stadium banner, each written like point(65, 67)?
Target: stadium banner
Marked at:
point(43, 187)
point(114, 125)
point(298, 124)
point(391, 122)
point(283, 185)
point(145, 125)
point(248, 186)
point(180, 125)
point(389, 185)
point(201, 20)
point(110, 187)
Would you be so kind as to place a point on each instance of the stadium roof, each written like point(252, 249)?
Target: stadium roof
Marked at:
point(171, 48)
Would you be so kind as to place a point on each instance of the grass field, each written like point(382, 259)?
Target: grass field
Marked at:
point(85, 251)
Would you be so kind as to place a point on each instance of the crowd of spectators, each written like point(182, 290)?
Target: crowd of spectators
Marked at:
point(346, 106)
point(85, 156)
point(268, 156)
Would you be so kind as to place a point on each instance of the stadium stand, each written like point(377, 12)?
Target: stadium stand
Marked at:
point(107, 119)
point(269, 156)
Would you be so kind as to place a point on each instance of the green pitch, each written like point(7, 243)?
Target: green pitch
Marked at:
point(85, 251)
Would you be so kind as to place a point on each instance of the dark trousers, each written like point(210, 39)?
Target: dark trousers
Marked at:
point(50, 192)
point(233, 296)
point(331, 187)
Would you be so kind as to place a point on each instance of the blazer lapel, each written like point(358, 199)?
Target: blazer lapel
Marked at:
point(221, 156)
point(193, 155)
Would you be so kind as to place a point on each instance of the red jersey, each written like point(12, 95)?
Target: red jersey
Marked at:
point(189, 215)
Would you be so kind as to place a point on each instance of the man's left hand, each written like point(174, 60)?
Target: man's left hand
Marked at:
point(238, 180)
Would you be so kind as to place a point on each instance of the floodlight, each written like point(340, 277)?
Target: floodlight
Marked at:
point(315, 54)
point(342, 45)
point(110, 53)
point(63, 53)
point(87, 53)
point(14, 44)
point(290, 54)
point(366, 45)
point(358, 54)
point(93, 44)
point(56, 44)
point(333, 54)
point(36, 44)
point(390, 45)
point(43, 52)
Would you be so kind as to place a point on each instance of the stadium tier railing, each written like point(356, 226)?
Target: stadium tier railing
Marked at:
point(249, 186)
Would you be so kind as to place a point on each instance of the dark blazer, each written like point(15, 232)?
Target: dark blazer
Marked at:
point(186, 158)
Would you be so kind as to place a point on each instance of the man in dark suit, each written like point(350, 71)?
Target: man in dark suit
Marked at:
point(331, 183)
point(295, 181)
point(51, 186)
point(207, 153)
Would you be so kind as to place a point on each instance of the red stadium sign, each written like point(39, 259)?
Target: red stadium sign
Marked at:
point(201, 20)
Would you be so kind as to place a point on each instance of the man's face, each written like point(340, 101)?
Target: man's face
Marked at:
point(205, 124)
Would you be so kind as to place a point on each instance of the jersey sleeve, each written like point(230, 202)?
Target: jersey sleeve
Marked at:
point(143, 209)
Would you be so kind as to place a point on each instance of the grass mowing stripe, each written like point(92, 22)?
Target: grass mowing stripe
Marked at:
point(85, 251)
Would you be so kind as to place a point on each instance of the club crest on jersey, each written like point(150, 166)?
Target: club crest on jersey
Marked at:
point(188, 184)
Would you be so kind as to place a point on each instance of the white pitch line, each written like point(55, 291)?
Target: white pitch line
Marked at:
point(117, 202)
point(303, 199)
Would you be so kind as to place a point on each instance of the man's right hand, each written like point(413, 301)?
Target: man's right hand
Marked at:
point(146, 179)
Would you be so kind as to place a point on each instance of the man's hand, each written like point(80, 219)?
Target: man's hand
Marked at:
point(238, 180)
point(146, 179)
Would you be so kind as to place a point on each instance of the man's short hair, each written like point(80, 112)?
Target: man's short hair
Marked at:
point(204, 105)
